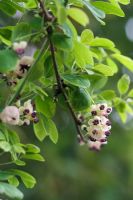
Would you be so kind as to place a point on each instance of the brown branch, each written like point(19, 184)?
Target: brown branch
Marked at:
point(55, 66)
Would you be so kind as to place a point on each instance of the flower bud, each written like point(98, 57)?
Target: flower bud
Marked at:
point(19, 47)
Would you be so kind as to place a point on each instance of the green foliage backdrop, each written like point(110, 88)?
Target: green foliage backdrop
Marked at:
point(76, 63)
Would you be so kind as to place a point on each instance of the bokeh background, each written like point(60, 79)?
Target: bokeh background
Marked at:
point(73, 172)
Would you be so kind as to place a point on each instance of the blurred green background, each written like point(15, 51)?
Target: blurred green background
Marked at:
point(75, 173)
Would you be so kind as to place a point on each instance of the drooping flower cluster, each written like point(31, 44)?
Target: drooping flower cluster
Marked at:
point(27, 113)
point(98, 126)
point(22, 66)
point(19, 115)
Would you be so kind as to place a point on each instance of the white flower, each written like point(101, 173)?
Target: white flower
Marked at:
point(23, 65)
point(100, 109)
point(19, 47)
point(26, 60)
point(26, 122)
point(28, 106)
point(98, 128)
point(10, 115)
point(96, 146)
point(96, 133)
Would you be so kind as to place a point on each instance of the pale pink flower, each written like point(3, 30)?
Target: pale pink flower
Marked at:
point(10, 115)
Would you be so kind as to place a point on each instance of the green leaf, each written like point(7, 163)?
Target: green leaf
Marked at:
point(14, 138)
point(121, 109)
point(123, 84)
point(51, 130)
point(97, 13)
point(124, 2)
point(38, 90)
point(40, 130)
point(112, 64)
point(108, 94)
point(78, 15)
point(130, 94)
point(18, 148)
point(10, 190)
point(127, 62)
point(37, 157)
point(15, 5)
point(28, 180)
point(19, 162)
point(7, 8)
point(80, 99)
point(21, 32)
point(102, 42)
point(5, 146)
point(31, 148)
point(8, 60)
point(2, 137)
point(46, 107)
point(87, 36)
point(5, 175)
point(13, 181)
point(109, 8)
point(76, 80)
point(62, 41)
point(5, 41)
point(72, 28)
point(31, 4)
point(104, 69)
point(62, 15)
point(82, 54)
point(97, 81)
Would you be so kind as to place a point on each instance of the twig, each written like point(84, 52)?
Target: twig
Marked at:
point(55, 66)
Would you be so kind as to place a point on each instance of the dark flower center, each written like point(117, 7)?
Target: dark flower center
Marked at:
point(102, 107)
point(96, 122)
point(94, 113)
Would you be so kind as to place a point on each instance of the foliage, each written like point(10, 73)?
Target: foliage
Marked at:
point(70, 68)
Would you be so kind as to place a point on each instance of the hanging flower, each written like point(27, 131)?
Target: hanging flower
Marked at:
point(10, 115)
point(96, 145)
point(19, 47)
point(27, 113)
point(98, 127)
point(23, 66)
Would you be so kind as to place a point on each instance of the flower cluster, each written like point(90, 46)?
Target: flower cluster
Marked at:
point(22, 66)
point(19, 115)
point(27, 113)
point(98, 127)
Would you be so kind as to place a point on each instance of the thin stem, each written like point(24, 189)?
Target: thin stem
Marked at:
point(58, 78)
point(45, 13)
point(28, 35)
point(55, 66)
point(28, 74)
point(7, 163)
